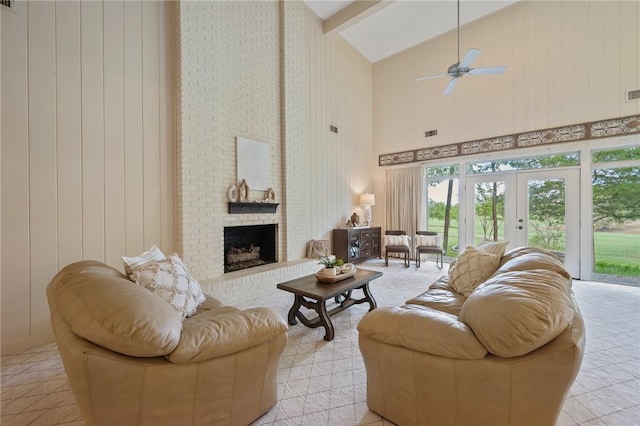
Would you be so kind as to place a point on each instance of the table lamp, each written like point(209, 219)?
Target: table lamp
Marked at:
point(367, 200)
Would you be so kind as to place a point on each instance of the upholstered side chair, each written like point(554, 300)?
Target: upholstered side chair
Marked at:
point(430, 244)
point(393, 246)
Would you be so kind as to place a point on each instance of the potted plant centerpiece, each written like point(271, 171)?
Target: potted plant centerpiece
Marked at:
point(331, 266)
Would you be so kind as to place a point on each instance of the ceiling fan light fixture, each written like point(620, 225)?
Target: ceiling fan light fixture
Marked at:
point(462, 67)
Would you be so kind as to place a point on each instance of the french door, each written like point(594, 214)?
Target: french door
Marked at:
point(534, 208)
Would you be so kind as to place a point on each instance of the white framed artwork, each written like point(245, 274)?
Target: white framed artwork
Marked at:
point(254, 163)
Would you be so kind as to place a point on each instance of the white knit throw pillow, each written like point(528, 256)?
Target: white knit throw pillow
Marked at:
point(497, 247)
point(153, 255)
point(171, 281)
point(472, 268)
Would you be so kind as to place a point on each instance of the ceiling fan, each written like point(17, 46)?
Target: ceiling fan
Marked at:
point(460, 68)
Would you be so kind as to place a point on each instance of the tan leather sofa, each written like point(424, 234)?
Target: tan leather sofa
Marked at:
point(132, 360)
point(505, 355)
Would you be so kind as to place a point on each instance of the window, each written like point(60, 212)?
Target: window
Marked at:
point(616, 220)
point(622, 154)
point(539, 162)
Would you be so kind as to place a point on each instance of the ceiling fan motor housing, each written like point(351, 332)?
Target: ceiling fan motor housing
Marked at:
point(455, 70)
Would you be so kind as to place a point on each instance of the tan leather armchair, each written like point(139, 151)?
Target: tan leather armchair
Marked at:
point(505, 355)
point(132, 360)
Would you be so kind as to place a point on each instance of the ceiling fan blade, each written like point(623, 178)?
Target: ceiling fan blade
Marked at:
point(431, 76)
point(487, 70)
point(471, 56)
point(451, 86)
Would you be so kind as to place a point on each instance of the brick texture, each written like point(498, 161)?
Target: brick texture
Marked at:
point(296, 151)
point(239, 73)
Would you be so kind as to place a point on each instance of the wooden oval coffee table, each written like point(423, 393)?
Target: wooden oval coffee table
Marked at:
point(313, 294)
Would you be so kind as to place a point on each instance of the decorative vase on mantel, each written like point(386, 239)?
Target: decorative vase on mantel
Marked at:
point(232, 194)
point(243, 192)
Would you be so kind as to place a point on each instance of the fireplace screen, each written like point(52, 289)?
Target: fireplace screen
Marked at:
point(249, 246)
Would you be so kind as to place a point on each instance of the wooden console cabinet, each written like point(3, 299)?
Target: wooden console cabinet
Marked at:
point(354, 244)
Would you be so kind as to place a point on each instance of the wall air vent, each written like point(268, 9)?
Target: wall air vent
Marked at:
point(429, 133)
point(7, 3)
point(633, 95)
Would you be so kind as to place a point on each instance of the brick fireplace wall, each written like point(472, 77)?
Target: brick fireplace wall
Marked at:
point(239, 73)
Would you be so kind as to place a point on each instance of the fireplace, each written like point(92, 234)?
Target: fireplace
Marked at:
point(249, 246)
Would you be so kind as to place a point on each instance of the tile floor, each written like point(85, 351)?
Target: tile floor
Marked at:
point(323, 383)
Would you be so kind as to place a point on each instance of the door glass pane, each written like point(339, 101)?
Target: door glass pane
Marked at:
point(616, 224)
point(547, 213)
point(442, 212)
point(489, 211)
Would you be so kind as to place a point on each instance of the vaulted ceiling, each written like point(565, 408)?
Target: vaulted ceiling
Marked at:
point(378, 29)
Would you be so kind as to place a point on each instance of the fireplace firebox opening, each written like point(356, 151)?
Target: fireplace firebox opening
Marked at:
point(249, 246)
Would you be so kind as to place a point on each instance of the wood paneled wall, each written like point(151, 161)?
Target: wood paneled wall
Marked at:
point(341, 163)
point(88, 142)
point(88, 162)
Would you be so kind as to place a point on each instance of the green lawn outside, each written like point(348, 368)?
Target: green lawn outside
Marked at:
point(438, 226)
point(616, 253)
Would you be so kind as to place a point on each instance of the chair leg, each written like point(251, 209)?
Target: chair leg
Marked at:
point(417, 260)
point(406, 259)
point(386, 258)
point(441, 256)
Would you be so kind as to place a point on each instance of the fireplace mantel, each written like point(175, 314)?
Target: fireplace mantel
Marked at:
point(243, 208)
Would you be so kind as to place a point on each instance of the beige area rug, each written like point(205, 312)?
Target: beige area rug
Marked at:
point(324, 383)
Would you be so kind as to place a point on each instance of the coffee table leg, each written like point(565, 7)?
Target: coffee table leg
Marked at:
point(369, 297)
point(297, 302)
point(323, 316)
point(320, 307)
point(343, 297)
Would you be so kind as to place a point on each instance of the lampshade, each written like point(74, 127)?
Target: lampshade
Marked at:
point(368, 199)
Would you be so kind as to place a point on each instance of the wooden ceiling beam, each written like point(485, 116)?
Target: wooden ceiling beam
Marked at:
point(353, 13)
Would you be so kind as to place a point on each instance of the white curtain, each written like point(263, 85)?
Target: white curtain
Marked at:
point(405, 193)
